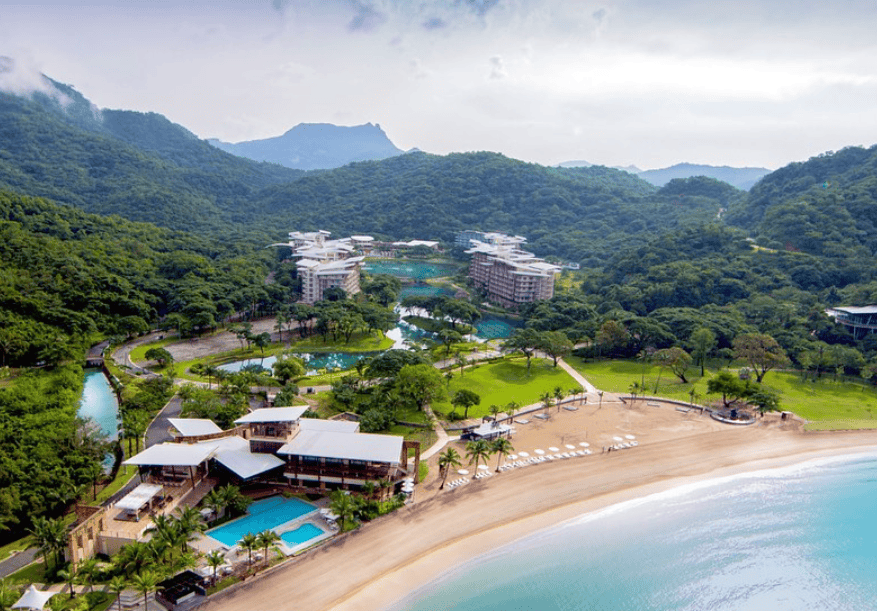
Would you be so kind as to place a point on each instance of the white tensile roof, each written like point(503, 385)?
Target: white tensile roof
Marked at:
point(139, 496)
point(173, 455)
point(486, 429)
point(33, 599)
point(331, 426)
point(346, 446)
point(246, 464)
point(273, 414)
point(869, 309)
point(192, 427)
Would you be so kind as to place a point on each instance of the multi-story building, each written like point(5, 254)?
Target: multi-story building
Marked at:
point(325, 263)
point(860, 320)
point(508, 275)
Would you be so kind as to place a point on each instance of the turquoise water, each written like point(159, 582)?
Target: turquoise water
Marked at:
point(313, 361)
point(302, 534)
point(423, 290)
point(99, 403)
point(261, 515)
point(418, 270)
point(796, 538)
point(492, 327)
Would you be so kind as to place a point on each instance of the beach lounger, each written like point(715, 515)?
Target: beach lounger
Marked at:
point(653, 404)
point(684, 410)
point(522, 421)
point(570, 408)
point(541, 416)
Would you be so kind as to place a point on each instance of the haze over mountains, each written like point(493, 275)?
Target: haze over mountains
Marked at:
point(742, 178)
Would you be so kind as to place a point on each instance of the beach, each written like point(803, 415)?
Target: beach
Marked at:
point(383, 561)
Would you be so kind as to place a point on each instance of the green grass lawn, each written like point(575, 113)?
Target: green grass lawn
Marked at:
point(505, 381)
point(826, 404)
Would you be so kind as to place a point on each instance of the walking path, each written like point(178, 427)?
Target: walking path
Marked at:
point(442, 440)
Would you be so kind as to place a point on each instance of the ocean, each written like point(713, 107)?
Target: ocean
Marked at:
point(799, 537)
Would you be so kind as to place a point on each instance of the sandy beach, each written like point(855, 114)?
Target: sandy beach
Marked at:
point(382, 562)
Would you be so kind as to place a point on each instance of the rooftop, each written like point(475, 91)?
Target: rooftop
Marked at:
point(344, 446)
point(273, 414)
point(193, 427)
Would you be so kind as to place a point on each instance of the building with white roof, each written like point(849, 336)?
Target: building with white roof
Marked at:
point(860, 320)
point(325, 263)
point(508, 275)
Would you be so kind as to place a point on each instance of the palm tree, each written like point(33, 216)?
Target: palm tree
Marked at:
point(69, 576)
point(117, 585)
point(574, 392)
point(495, 411)
point(634, 391)
point(134, 557)
point(40, 533)
point(511, 407)
point(461, 360)
point(85, 573)
point(342, 506)
point(215, 559)
point(266, 539)
point(503, 447)
point(559, 394)
point(448, 460)
point(546, 401)
point(189, 524)
point(145, 582)
point(249, 543)
point(368, 489)
point(476, 451)
point(8, 594)
point(214, 501)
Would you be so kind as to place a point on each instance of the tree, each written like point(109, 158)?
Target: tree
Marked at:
point(702, 342)
point(558, 394)
point(501, 447)
point(159, 355)
point(612, 337)
point(145, 582)
point(676, 359)
point(422, 384)
point(266, 539)
point(449, 337)
point(262, 341)
point(761, 351)
point(249, 542)
point(288, 368)
point(546, 401)
point(215, 559)
point(556, 344)
point(343, 506)
point(118, 584)
point(447, 460)
point(526, 341)
point(461, 361)
point(465, 399)
point(764, 399)
point(731, 387)
point(476, 451)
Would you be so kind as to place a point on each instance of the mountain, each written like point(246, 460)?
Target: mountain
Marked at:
point(581, 163)
point(317, 146)
point(742, 178)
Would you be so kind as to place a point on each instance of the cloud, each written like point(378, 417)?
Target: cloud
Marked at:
point(497, 69)
point(434, 23)
point(367, 17)
point(23, 78)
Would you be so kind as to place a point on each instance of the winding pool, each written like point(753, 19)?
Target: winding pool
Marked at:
point(418, 270)
point(99, 403)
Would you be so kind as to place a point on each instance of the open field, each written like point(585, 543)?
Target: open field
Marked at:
point(826, 404)
point(504, 381)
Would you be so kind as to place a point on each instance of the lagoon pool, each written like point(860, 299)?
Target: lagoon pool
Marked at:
point(418, 270)
point(313, 361)
point(261, 515)
point(302, 534)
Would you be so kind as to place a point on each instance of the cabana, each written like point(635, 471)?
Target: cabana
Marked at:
point(171, 464)
point(33, 599)
point(488, 431)
point(139, 499)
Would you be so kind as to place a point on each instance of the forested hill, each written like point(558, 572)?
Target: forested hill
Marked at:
point(141, 167)
point(67, 276)
point(826, 206)
point(571, 213)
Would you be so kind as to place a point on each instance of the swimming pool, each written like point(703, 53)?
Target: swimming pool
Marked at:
point(265, 514)
point(302, 534)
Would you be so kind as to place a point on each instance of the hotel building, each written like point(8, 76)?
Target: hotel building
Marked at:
point(508, 275)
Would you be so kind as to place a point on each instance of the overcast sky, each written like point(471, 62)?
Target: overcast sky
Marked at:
point(614, 82)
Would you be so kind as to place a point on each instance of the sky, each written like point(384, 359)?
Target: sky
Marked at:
point(648, 83)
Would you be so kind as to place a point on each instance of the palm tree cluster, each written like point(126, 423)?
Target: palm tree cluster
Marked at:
point(476, 451)
point(228, 499)
point(51, 537)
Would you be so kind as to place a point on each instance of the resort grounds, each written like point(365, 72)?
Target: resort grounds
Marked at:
point(375, 566)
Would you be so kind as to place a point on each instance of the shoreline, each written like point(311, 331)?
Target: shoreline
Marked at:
point(423, 542)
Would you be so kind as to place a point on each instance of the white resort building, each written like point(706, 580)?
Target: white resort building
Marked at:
point(324, 263)
point(508, 275)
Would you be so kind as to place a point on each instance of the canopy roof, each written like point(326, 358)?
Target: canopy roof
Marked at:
point(273, 414)
point(33, 599)
point(173, 455)
point(332, 426)
point(192, 427)
point(491, 429)
point(138, 497)
point(246, 464)
point(346, 446)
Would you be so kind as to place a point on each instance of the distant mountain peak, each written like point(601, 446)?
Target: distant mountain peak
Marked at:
point(317, 146)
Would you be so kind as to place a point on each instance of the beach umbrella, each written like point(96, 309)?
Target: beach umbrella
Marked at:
point(462, 472)
point(570, 446)
point(540, 452)
point(524, 455)
point(33, 599)
point(617, 439)
point(513, 457)
point(629, 437)
point(584, 444)
point(483, 467)
point(553, 449)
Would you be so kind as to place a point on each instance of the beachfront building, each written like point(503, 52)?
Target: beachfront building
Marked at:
point(859, 320)
point(324, 263)
point(508, 275)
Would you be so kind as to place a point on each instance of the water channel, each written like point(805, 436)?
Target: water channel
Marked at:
point(100, 405)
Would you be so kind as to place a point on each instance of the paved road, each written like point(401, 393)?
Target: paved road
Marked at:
point(19, 560)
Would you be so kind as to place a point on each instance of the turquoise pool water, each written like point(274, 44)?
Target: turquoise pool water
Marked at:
point(418, 270)
point(423, 290)
point(261, 515)
point(492, 327)
point(313, 361)
point(302, 534)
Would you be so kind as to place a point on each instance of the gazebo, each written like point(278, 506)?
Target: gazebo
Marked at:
point(33, 599)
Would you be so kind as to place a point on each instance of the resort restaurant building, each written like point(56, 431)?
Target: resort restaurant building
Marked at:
point(859, 320)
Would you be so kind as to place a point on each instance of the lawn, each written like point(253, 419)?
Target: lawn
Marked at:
point(502, 382)
point(826, 404)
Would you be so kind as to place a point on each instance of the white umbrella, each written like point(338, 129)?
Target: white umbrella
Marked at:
point(584, 444)
point(483, 467)
point(462, 472)
point(629, 437)
point(617, 439)
point(540, 452)
point(553, 449)
point(524, 455)
point(33, 599)
point(570, 446)
point(513, 457)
